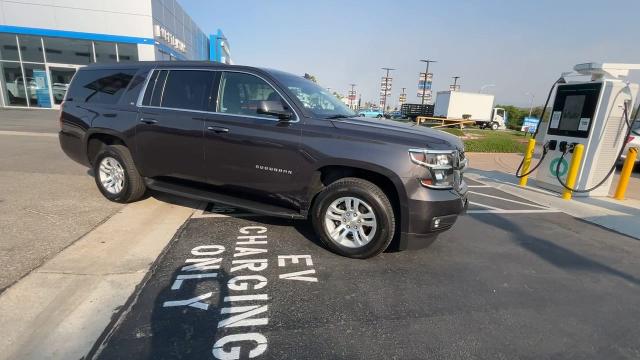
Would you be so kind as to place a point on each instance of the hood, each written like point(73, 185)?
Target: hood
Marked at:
point(402, 133)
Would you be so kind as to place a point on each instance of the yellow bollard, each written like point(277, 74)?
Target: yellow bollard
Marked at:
point(627, 168)
point(573, 170)
point(528, 155)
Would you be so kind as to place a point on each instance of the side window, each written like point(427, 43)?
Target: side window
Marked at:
point(240, 94)
point(187, 89)
point(100, 86)
point(146, 100)
point(133, 91)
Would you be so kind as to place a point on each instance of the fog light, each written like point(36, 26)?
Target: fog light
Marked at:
point(436, 223)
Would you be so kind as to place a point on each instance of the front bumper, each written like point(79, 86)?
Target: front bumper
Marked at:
point(430, 212)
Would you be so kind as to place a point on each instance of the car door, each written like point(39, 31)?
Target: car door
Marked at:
point(170, 129)
point(251, 153)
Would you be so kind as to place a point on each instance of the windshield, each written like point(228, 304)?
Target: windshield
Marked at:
point(313, 97)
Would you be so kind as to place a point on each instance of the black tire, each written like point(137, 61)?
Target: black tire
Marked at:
point(379, 116)
point(494, 126)
point(365, 191)
point(134, 186)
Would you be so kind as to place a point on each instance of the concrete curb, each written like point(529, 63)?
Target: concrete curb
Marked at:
point(60, 309)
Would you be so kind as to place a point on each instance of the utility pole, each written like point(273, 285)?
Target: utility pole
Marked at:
point(386, 85)
point(403, 97)
point(352, 95)
point(455, 82)
point(426, 75)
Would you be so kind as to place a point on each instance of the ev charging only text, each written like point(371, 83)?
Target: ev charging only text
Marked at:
point(245, 310)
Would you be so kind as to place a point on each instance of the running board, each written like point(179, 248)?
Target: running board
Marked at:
point(212, 196)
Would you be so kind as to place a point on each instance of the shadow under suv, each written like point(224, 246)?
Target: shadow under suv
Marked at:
point(266, 141)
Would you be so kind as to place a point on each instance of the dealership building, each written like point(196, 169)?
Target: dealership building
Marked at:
point(44, 42)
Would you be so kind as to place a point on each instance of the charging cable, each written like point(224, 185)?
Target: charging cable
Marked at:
point(613, 167)
point(545, 150)
point(545, 147)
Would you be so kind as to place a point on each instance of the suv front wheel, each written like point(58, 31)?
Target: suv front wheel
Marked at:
point(116, 175)
point(354, 218)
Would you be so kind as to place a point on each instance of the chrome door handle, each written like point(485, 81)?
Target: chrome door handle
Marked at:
point(148, 121)
point(218, 129)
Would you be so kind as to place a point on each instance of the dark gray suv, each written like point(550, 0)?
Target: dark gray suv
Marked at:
point(266, 141)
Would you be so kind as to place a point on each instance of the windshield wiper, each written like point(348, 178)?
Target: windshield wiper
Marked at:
point(338, 116)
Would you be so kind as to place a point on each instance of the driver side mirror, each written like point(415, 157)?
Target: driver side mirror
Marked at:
point(274, 108)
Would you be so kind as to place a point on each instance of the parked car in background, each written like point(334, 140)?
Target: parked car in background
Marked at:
point(59, 90)
point(372, 113)
point(16, 88)
point(632, 141)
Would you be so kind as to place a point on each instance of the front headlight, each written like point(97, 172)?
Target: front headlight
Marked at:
point(441, 164)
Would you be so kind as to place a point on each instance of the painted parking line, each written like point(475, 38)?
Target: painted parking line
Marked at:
point(509, 200)
point(26, 133)
point(502, 211)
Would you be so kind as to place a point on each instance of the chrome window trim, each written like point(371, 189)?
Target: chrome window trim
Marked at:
point(146, 84)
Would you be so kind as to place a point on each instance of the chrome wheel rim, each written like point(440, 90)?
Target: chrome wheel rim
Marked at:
point(350, 222)
point(111, 175)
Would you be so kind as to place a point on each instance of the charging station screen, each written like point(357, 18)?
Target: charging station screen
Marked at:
point(572, 113)
point(574, 109)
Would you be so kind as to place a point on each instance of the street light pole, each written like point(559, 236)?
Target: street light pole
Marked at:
point(531, 103)
point(426, 74)
point(485, 86)
point(386, 85)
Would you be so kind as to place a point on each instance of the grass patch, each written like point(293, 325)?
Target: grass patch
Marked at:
point(453, 131)
point(500, 141)
point(494, 145)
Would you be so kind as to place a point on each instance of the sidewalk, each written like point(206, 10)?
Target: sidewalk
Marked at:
point(498, 170)
point(59, 310)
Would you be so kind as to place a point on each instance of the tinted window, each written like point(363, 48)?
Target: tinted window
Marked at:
point(149, 89)
point(100, 86)
point(158, 88)
point(240, 94)
point(131, 95)
point(187, 89)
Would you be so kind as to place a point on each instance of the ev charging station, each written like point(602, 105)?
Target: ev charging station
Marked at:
point(591, 113)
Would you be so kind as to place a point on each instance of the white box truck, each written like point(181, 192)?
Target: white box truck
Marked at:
point(474, 106)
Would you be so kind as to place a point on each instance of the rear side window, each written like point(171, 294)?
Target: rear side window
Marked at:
point(187, 89)
point(100, 86)
point(180, 89)
point(130, 97)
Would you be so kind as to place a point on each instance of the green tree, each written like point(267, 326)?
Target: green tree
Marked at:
point(338, 95)
point(310, 77)
point(515, 115)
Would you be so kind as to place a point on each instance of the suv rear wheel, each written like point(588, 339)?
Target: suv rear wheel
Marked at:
point(354, 218)
point(116, 175)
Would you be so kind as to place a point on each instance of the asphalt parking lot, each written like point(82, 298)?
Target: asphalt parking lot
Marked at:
point(512, 279)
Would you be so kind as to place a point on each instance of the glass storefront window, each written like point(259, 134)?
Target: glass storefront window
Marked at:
point(13, 87)
point(60, 79)
point(8, 47)
point(127, 52)
point(105, 52)
point(31, 48)
point(68, 51)
point(48, 71)
point(37, 86)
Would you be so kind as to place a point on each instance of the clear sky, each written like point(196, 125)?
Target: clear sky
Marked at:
point(520, 46)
